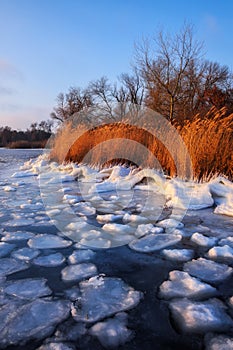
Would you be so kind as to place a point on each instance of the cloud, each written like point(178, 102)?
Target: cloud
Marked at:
point(8, 70)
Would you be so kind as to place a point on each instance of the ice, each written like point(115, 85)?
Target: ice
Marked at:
point(144, 229)
point(226, 241)
point(153, 242)
point(105, 218)
point(202, 240)
point(25, 173)
point(114, 228)
point(53, 212)
point(222, 192)
point(36, 206)
point(221, 253)
point(218, 342)
point(77, 225)
point(170, 223)
point(17, 236)
point(113, 332)
point(79, 256)
point(181, 284)
point(97, 242)
point(208, 270)
point(9, 189)
point(25, 254)
point(178, 254)
point(19, 222)
point(188, 195)
point(5, 248)
point(84, 209)
point(201, 317)
point(102, 297)
point(27, 288)
point(51, 260)
point(34, 320)
point(78, 272)
point(55, 346)
point(136, 219)
point(9, 266)
point(225, 208)
point(44, 241)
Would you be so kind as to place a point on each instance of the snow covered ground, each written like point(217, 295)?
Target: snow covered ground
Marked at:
point(100, 259)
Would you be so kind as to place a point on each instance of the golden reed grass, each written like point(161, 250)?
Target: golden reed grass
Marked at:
point(209, 141)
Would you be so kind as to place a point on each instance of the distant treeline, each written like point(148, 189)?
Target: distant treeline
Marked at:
point(34, 137)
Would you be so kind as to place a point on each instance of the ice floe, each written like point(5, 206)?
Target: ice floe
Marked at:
point(102, 297)
point(208, 270)
point(97, 242)
point(55, 346)
point(178, 254)
point(153, 242)
point(10, 265)
point(45, 241)
point(19, 222)
point(77, 272)
point(25, 253)
point(30, 288)
point(181, 284)
point(5, 248)
point(113, 332)
point(34, 320)
point(79, 256)
point(224, 253)
point(170, 223)
point(16, 236)
point(201, 317)
point(106, 218)
point(202, 240)
point(218, 342)
point(50, 260)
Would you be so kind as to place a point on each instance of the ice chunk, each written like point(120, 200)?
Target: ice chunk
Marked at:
point(9, 266)
point(208, 270)
point(25, 254)
point(144, 229)
point(19, 222)
point(97, 242)
point(137, 219)
point(218, 342)
point(170, 223)
point(78, 272)
point(201, 317)
point(5, 248)
point(178, 254)
point(43, 241)
point(17, 236)
point(51, 260)
point(221, 253)
point(34, 320)
point(113, 332)
point(202, 240)
point(9, 189)
point(181, 284)
point(23, 174)
point(153, 242)
point(108, 218)
point(114, 228)
point(102, 297)
point(80, 256)
point(84, 209)
point(55, 346)
point(226, 241)
point(28, 288)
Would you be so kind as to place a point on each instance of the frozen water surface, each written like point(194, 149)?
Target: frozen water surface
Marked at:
point(10, 265)
point(201, 317)
point(80, 256)
point(78, 272)
point(181, 284)
point(218, 342)
point(17, 236)
point(50, 260)
point(25, 254)
point(102, 297)
point(202, 240)
point(153, 242)
point(224, 253)
point(27, 288)
point(208, 270)
point(5, 248)
point(55, 346)
point(43, 241)
point(178, 254)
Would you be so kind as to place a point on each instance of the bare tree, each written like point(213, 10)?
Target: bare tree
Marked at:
point(72, 102)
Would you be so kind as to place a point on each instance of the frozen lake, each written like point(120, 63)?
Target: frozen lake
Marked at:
point(112, 259)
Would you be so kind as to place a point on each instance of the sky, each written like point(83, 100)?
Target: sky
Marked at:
point(47, 46)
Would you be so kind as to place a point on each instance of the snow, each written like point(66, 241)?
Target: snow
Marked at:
point(201, 317)
point(43, 241)
point(218, 342)
point(79, 256)
point(102, 297)
point(5, 248)
point(207, 270)
point(222, 192)
point(178, 254)
point(27, 288)
point(153, 242)
point(113, 332)
point(51, 260)
point(25, 254)
point(78, 272)
point(221, 253)
point(202, 240)
point(34, 320)
point(181, 284)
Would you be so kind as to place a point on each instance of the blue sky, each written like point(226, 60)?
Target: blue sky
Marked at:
point(46, 46)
